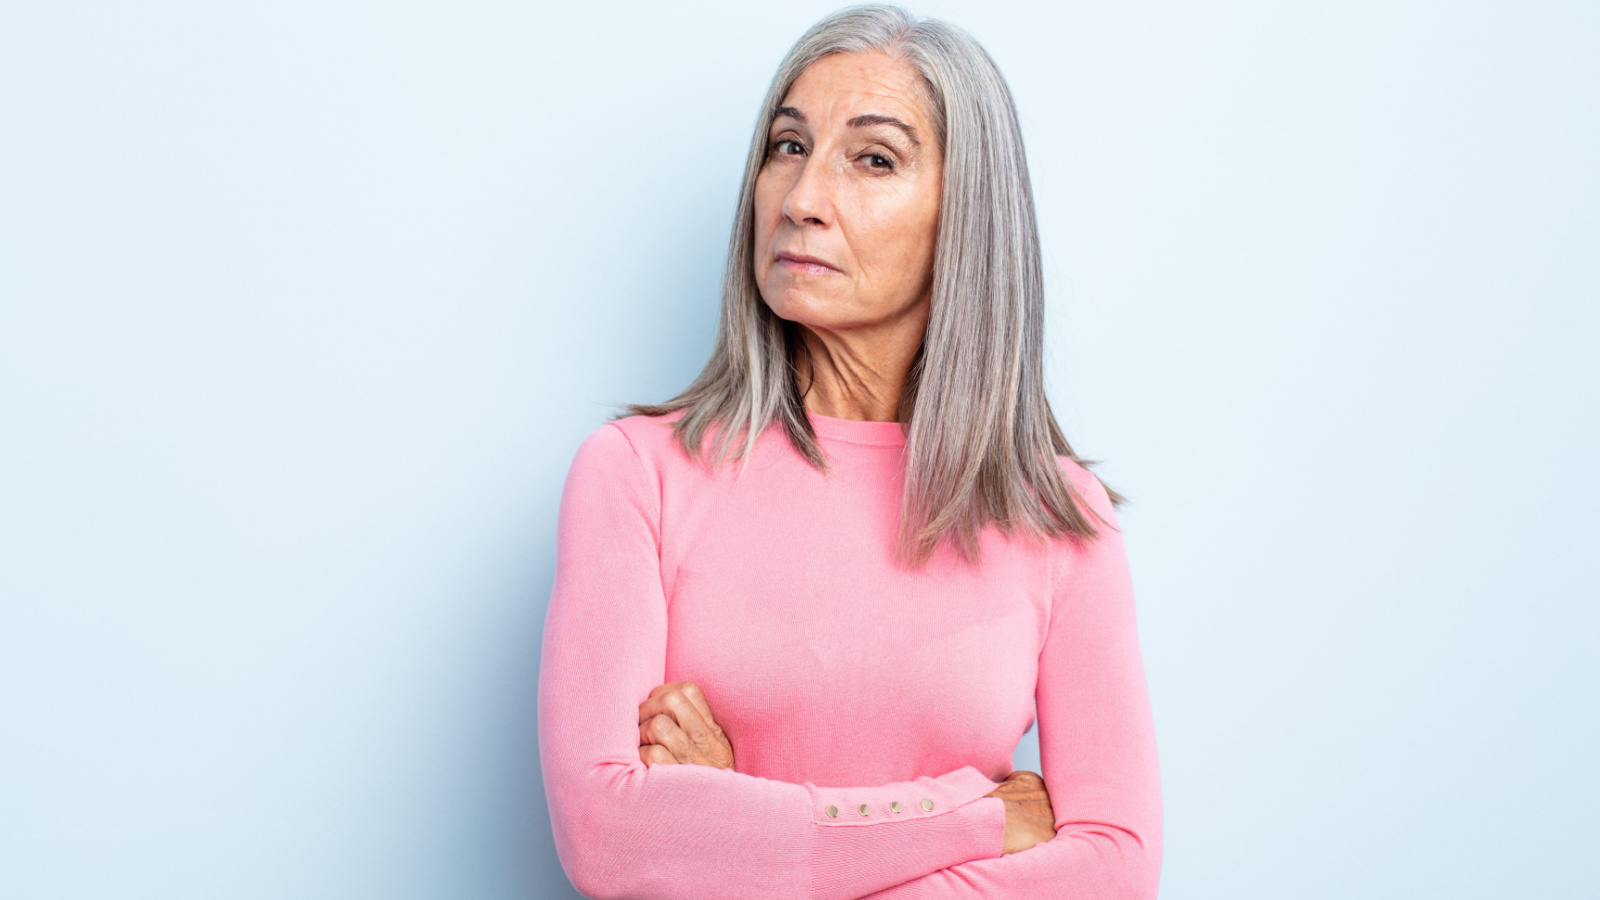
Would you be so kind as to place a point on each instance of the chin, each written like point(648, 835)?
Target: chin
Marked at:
point(796, 305)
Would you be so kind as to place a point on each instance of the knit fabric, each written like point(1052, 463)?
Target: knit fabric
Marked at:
point(870, 706)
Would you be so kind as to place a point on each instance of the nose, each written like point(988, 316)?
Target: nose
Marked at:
point(810, 199)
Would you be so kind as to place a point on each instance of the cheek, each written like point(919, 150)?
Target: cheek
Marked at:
point(769, 193)
point(767, 202)
point(920, 236)
point(894, 244)
point(900, 237)
point(926, 216)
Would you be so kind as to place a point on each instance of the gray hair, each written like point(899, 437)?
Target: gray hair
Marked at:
point(981, 442)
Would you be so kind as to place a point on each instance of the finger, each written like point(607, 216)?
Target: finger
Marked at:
point(664, 731)
point(696, 696)
point(670, 700)
point(1029, 789)
point(1047, 810)
point(1023, 787)
point(1043, 819)
point(656, 703)
point(652, 704)
point(694, 723)
point(659, 700)
point(656, 755)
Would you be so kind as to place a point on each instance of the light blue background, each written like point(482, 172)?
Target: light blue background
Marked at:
point(304, 308)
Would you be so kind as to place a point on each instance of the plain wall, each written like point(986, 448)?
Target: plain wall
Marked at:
point(304, 308)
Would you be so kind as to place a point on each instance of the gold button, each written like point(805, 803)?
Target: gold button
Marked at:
point(927, 805)
point(832, 811)
point(896, 807)
point(863, 809)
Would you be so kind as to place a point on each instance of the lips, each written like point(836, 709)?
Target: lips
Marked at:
point(799, 262)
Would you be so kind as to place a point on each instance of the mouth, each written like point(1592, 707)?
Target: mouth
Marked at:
point(810, 265)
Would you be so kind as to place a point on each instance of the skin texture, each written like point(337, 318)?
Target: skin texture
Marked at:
point(847, 216)
point(860, 196)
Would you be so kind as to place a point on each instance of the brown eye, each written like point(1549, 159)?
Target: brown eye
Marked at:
point(878, 161)
point(788, 147)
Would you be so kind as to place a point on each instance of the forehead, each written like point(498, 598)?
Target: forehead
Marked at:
point(841, 86)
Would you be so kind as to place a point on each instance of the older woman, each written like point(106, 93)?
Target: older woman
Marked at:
point(804, 611)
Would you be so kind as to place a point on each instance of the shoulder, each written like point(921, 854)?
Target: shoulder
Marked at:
point(633, 444)
point(648, 435)
point(1080, 477)
point(1088, 490)
point(617, 469)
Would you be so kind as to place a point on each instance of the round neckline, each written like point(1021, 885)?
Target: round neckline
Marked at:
point(855, 431)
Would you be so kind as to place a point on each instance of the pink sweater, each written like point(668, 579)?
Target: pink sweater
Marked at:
point(844, 682)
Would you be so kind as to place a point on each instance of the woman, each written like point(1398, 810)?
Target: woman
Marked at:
point(804, 611)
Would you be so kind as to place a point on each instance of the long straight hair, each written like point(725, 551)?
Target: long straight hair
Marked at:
point(981, 442)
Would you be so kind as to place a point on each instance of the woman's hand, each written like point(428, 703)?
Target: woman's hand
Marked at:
point(675, 726)
point(1029, 818)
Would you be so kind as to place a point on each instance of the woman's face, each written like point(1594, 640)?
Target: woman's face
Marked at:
point(847, 202)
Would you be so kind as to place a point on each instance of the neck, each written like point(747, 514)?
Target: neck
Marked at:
point(854, 375)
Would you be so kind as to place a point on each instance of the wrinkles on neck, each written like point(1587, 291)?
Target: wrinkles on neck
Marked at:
point(859, 374)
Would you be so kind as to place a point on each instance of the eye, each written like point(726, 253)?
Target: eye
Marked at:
point(788, 147)
point(879, 161)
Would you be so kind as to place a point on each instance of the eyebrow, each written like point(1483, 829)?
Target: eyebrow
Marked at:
point(875, 119)
point(858, 122)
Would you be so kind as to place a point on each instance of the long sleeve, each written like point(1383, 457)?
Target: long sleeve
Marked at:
point(1096, 745)
point(623, 829)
